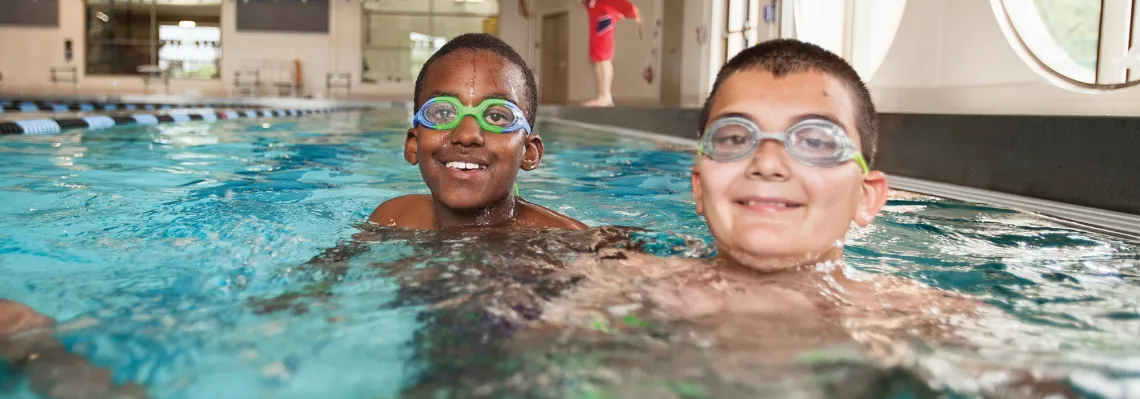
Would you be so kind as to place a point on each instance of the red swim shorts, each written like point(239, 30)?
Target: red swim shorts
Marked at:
point(602, 38)
point(604, 15)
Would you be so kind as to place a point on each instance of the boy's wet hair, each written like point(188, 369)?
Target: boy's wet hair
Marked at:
point(484, 42)
point(786, 56)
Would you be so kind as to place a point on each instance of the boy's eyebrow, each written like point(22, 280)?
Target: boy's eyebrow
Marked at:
point(441, 93)
point(797, 119)
point(826, 117)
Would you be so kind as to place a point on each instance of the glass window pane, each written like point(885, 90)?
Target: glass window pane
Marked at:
point(190, 51)
point(394, 30)
point(400, 35)
point(396, 46)
point(119, 36)
point(397, 6)
point(1062, 34)
point(450, 27)
point(475, 7)
point(1074, 25)
point(184, 36)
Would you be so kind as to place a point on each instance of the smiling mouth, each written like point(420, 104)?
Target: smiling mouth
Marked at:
point(465, 166)
point(768, 204)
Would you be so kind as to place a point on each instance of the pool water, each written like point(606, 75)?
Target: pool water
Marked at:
point(176, 256)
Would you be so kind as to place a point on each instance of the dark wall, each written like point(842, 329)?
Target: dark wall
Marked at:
point(679, 122)
point(1090, 161)
point(1087, 161)
point(43, 13)
point(310, 16)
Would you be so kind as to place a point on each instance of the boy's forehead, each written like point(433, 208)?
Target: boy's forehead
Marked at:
point(776, 102)
point(474, 76)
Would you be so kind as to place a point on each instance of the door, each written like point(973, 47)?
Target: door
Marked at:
point(555, 45)
point(673, 33)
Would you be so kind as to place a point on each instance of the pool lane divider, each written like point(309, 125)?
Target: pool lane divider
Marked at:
point(53, 126)
point(59, 106)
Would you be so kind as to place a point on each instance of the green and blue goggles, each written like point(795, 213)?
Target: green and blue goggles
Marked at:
point(814, 142)
point(494, 115)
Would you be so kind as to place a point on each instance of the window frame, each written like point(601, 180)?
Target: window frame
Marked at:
point(153, 41)
point(1120, 36)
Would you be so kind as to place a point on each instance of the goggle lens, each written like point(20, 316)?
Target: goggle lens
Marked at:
point(813, 142)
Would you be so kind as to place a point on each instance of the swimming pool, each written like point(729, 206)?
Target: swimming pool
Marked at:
point(161, 249)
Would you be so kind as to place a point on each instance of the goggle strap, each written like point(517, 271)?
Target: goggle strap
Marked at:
point(862, 163)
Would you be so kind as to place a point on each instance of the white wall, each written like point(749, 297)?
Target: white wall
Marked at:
point(29, 52)
point(336, 51)
point(339, 50)
point(951, 56)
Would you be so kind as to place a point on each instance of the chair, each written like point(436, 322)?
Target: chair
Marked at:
point(69, 75)
point(338, 80)
point(247, 81)
point(284, 77)
point(154, 72)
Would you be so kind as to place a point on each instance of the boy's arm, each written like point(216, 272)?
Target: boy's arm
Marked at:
point(27, 345)
point(627, 9)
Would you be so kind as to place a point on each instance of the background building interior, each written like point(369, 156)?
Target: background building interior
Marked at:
point(1026, 104)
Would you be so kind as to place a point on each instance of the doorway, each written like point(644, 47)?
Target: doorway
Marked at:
point(553, 87)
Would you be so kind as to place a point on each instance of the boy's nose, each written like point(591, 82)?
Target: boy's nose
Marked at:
point(468, 133)
point(769, 161)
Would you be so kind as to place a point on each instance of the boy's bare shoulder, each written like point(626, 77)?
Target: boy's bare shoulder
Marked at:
point(410, 211)
point(538, 216)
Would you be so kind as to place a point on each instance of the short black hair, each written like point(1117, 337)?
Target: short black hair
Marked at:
point(484, 42)
point(786, 56)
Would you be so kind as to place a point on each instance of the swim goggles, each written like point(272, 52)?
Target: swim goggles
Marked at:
point(814, 142)
point(494, 115)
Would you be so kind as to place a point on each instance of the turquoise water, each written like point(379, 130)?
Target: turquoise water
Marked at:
point(163, 251)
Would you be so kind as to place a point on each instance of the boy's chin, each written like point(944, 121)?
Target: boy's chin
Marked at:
point(466, 201)
point(777, 255)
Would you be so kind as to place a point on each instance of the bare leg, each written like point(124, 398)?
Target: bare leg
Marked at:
point(604, 79)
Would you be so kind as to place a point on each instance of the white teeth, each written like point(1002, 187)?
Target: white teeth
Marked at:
point(464, 166)
point(779, 204)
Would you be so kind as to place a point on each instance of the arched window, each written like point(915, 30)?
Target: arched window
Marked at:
point(1079, 44)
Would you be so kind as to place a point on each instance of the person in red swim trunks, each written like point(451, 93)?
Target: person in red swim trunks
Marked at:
point(603, 15)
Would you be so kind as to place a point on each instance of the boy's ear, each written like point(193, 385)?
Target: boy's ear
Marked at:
point(872, 199)
point(411, 148)
point(532, 152)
